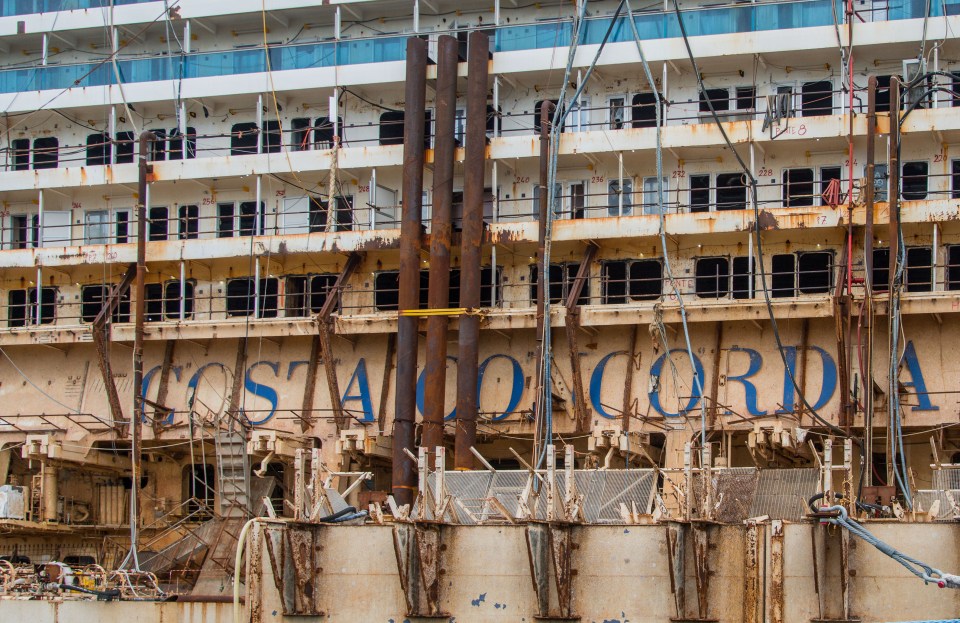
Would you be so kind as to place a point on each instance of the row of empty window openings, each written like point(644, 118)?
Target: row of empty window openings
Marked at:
point(45, 153)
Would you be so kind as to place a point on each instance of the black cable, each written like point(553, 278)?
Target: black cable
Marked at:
point(107, 595)
point(363, 99)
point(337, 515)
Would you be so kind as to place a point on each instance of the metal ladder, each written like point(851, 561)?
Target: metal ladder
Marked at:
point(233, 471)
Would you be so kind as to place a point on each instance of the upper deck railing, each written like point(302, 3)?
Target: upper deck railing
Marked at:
point(753, 17)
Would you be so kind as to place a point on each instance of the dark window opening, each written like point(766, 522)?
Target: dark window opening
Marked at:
point(178, 143)
point(731, 191)
point(323, 133)
point(94, 298)
point(123, 225)
point(883, 94)
point(98, 149)
point(172, 296)
point(720, 98)
point(22, 307)
point(158, 148)
point(880, 279)
point(712, 277)
point(536, 114)
point(816, 98)
point(699, 193)
point(225, 220)
point(827, 175)
point(644, 111)
point(391, 127)
point(914, 180)
point(21, 154)
point(386, 290)
point(783, 275)
point(955, 179)
point(318, 214)
point(919, 269)
point(271, 137)
point(157, 224)
point(490, 283)
point(746, 98)
point(953, 267)
point(300, 134)
point(250, 225)
point(153, 302)
point(614, 283)
point(306, 294)
point(26, 231)
point(797, 188)
point(244, 138)
point(742, 278)
point(635, 280)
point(189, 222)
point(815, 272)
point(561, 279)
point(124, 143)
point(242, 299)
point(46, 152)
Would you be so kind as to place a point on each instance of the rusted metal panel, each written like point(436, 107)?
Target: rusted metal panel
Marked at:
point(310, 384)
point(254, 573)
point(404, 475)
point(236, 389)
point(777, 595)
point(572, 324)
point(418, 547)
point(676, 548)
point(752, 578)
point(295, 558)
point(701, 567)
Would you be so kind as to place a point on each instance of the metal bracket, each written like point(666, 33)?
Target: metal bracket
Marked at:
point(551, 545)
point(418, 547)
point(677, 534)
point(295, 552)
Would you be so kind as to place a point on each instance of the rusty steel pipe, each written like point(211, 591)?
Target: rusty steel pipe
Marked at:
point(146, 141)
point(441, 230)
point(546, 116)
point(868, 200)
point(404, 419)
point(471, 253)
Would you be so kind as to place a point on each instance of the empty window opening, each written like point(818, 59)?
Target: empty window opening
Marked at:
point(919, 269)
point(816, 98)
point(827, 175)
point(815, 272)
point(620, 202)
point(880, 277)
point(644, 111)
point(883, 94)
point(746, 98)
point(26, 231)
point(124, 144)
point(632, 280)
point(712, 277)
point(720, 98)
point(182, 146)
point(955, 179)
point(94, 298)
point(306, 294)
point(153, 302)
point(22, 307)
point(323, 133)
point(699, 193)
point(46, 152)
point(915, 180)
point(271, 138)
point(561, 278)
point(616, 113)
point(783, 278)
point(537, 107)
point(797, 188)
point(158, 147)
point(953, 267)
point(21, 154)
point(98, 149)
point(300, 134)
point(244, 138)
point(157, 225)
point(731, 191)
point(742, 278)
point(173, 299)
point(188, 225)
point(391, 128)
point(242, 299)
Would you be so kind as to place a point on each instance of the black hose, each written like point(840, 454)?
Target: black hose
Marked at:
point(107, 595)
point(337, 515)
point(819, 496)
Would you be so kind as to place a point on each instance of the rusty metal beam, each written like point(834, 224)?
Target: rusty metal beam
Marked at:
point(411, 231)
point(550, 552)
point(572, 324)
point(385, 385)
point(101, 339)
point(418, 548)
point(321, 349)
point(714, 409)
point(441, 230)
point(867, 312)
point(628, 382)
point(752, 577)
point(541, 392)
point(777, 601)
point(233, 406)
point(163, 387)
point(478, 49)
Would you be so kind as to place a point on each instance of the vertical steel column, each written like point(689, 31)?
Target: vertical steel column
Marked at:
point(146, 138)
point(404, 474)
point(868, 199)
point(441, 226)
point(546, 115)
point(893, 395)
point(478, 48)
